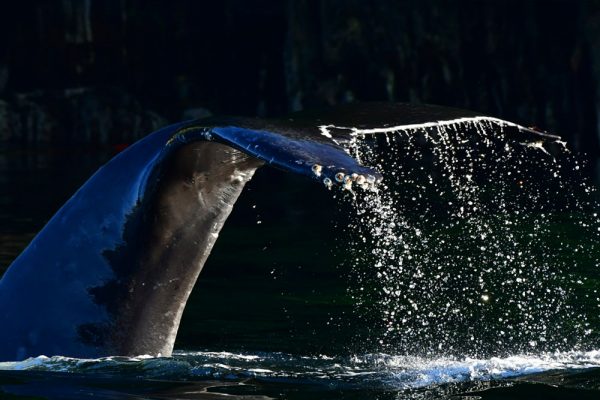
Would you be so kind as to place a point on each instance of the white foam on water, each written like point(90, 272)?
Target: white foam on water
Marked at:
point(384, 370)
point(413, 372)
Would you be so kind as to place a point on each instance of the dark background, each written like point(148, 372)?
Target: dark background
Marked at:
point(107, 72)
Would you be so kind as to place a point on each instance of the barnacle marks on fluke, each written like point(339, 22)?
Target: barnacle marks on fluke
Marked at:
point(304, 154)
point(346, 179)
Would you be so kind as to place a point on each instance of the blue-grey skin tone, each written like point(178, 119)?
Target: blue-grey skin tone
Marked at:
point(58, 296)
point(111, 272)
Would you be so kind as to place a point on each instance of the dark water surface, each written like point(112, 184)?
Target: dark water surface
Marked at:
point(274, 314)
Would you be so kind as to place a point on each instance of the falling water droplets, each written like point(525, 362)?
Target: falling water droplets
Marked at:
point(476, 245)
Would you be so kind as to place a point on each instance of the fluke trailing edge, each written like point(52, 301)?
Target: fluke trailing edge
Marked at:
point(111, 272)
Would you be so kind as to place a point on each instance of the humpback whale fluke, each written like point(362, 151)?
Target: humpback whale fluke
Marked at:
point(111, 272)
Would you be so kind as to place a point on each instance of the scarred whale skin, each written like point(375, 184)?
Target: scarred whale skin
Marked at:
point(111, 272)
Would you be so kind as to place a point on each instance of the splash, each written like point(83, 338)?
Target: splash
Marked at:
point(476, 243)
point(378, 370)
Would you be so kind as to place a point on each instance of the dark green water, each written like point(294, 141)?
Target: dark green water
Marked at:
point(278, 311)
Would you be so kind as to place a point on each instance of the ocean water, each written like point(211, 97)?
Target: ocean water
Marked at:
point(472, 272)
point(206, 374)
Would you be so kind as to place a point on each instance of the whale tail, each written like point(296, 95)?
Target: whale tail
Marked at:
point(111, 272)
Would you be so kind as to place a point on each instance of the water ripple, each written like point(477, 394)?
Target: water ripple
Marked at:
point(368, 370)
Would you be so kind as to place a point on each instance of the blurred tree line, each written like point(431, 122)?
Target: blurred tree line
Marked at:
point(108, 72)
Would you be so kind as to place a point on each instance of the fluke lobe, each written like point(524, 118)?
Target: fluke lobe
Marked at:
point(111, 272)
